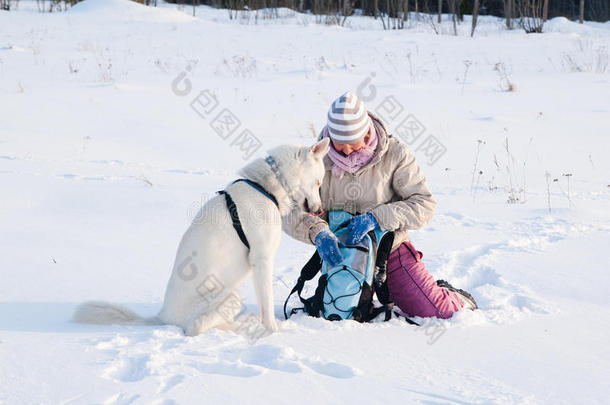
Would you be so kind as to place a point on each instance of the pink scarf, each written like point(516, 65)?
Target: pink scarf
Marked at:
point(356, 160)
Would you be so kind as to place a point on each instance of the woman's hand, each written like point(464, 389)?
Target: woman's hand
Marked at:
point(360, 226)
point(328, 248)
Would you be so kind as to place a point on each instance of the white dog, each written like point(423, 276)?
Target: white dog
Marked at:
point(213, 259)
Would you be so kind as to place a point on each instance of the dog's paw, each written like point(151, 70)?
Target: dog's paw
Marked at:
point(271, 325)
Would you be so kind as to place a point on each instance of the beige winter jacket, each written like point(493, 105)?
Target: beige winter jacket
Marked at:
point(391, 186)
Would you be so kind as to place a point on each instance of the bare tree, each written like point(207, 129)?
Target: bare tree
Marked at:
point(427, 16)
point(508, 11)
point(530, 15)
point(545, 11)
point(475, 15)
point(582, 11)
point(387, 10)
point(347, 11)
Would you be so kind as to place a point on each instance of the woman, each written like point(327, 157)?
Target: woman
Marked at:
point(374, 176)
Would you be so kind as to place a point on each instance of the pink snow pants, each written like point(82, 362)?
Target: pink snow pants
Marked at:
point(413, 288)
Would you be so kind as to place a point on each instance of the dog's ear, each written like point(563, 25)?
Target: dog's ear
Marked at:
point(320, 148)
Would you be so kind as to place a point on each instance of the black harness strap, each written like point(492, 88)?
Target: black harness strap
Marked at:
point(259, 188)
point(235, 218)
point(233, 208)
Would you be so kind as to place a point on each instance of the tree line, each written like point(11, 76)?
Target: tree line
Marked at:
point(592, 10)
point(397, 11)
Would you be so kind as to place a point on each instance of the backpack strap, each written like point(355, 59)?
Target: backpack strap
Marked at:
point(309, 271)
point(409, 321)
point(381, 279)
point(365, 311)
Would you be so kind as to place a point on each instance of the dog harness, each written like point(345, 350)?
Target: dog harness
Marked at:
point(233, 208)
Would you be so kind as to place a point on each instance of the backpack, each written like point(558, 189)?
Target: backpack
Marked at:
point(346, 291)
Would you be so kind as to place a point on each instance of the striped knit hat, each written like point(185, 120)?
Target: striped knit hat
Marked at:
point(348, 120)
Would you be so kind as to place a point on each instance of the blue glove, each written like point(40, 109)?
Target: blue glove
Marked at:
point(328, 248)
point(360, 226)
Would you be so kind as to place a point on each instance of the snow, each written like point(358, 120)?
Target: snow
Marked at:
point(103, 165)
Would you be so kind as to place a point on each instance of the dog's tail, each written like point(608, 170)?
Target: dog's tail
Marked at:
point(104, 313)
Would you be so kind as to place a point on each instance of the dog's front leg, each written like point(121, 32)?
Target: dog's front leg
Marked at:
point(263, 285)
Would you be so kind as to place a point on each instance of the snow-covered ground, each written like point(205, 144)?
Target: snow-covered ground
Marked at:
point(104, 161)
